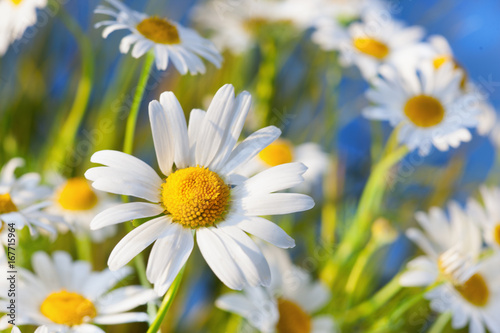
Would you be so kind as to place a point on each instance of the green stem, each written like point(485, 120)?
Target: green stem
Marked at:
point(167, 302)
point(265, 80)
point(136, 103)
point(66, 133)
point(84, 247)
point(440, 323)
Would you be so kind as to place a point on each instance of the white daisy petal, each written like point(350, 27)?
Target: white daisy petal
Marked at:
point(266, 230)
point(125, 212)
point(162, 137)
point(124, 299)
point(121, 318)
point(275, 204)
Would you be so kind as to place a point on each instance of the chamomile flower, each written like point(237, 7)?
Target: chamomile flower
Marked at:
point(488, 217)
point(426, 103)
point(288, 305)
point(15, 17)
point(169, 40)
point(475, 302)
point(76, 201)
point(200, 195)
point(67, 297)
point(453, 255)
point(22, 201)
point(283, 151)
point(367, 44)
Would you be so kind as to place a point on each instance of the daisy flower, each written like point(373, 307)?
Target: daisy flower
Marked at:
point(15, 17)
point(22, 201)
point(475, 302)
point(67, 297)
point(282, 151)
point(367, 44)
point(488, 217)
point(427, 104)
point(200, 195)
point(288, 305)
point(236, 27)
point(451, 256)
point(169, 40)
point(76, 201)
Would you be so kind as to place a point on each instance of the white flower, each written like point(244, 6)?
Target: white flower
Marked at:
point(288, 305)
point(469, 287)
point(22, 201)
point(76, 201)
point(426, 103)
point(367, 44)
point(66, 297)
point(41, 329)
point(236, 25)
point(488, 218)
point(169, 40)
point(15, 17)
point(475, 302)
point(200, 195)
point(283, 151)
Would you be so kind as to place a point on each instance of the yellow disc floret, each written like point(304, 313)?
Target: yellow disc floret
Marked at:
point(371, 47)
point(195, 197)
point(67, 308)
point(6, 204)
point(159, 30)
point(496, 234)
point(77, 194)
point(475, 290)
point(292, 318)
point(16, 2)
point(424, 111)
point(277, 153)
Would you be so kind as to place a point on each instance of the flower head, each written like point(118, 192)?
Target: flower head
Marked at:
point(169, 40)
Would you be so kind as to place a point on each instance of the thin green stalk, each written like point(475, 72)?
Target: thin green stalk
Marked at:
point(84, 247)
point(167, 302)
point(265, 80)
point(440, 323)
point(66, 133)
point(136, 103)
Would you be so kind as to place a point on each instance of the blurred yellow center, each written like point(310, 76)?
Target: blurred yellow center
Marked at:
point(441, 60)
point(278, 152)
point(475, 290)
point(16, 2)
point(371, 47)
point(292, 318)
point(195, 197)
point(77, 194)
point(496, 234)
point(6, 204)
point(67, 308)
point(424, 111)
point(159, 30)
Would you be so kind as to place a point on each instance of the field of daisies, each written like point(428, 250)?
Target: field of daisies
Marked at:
point(240, 166)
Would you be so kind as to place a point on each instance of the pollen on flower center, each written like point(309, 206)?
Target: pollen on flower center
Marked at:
point(424, 111)
point(496, 233)
point(292, 318)
point(159, 30)
point(77, 194)
point(6, 204)
point(371, 47)
point(278, 152)
point(67, 308)
point(195, 197)
point(475, 290)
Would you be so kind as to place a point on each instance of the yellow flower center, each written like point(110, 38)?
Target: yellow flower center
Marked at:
point(195, 197)
point(159, 30)
point(67, 308)
point(77, 194)
point(278, 152)
point(424, 111)
point(6, 204)
point(496, 233)
point(441, 60)
point(372, 47)
point(292, 318)
point(16, 2)
point(475, 290)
